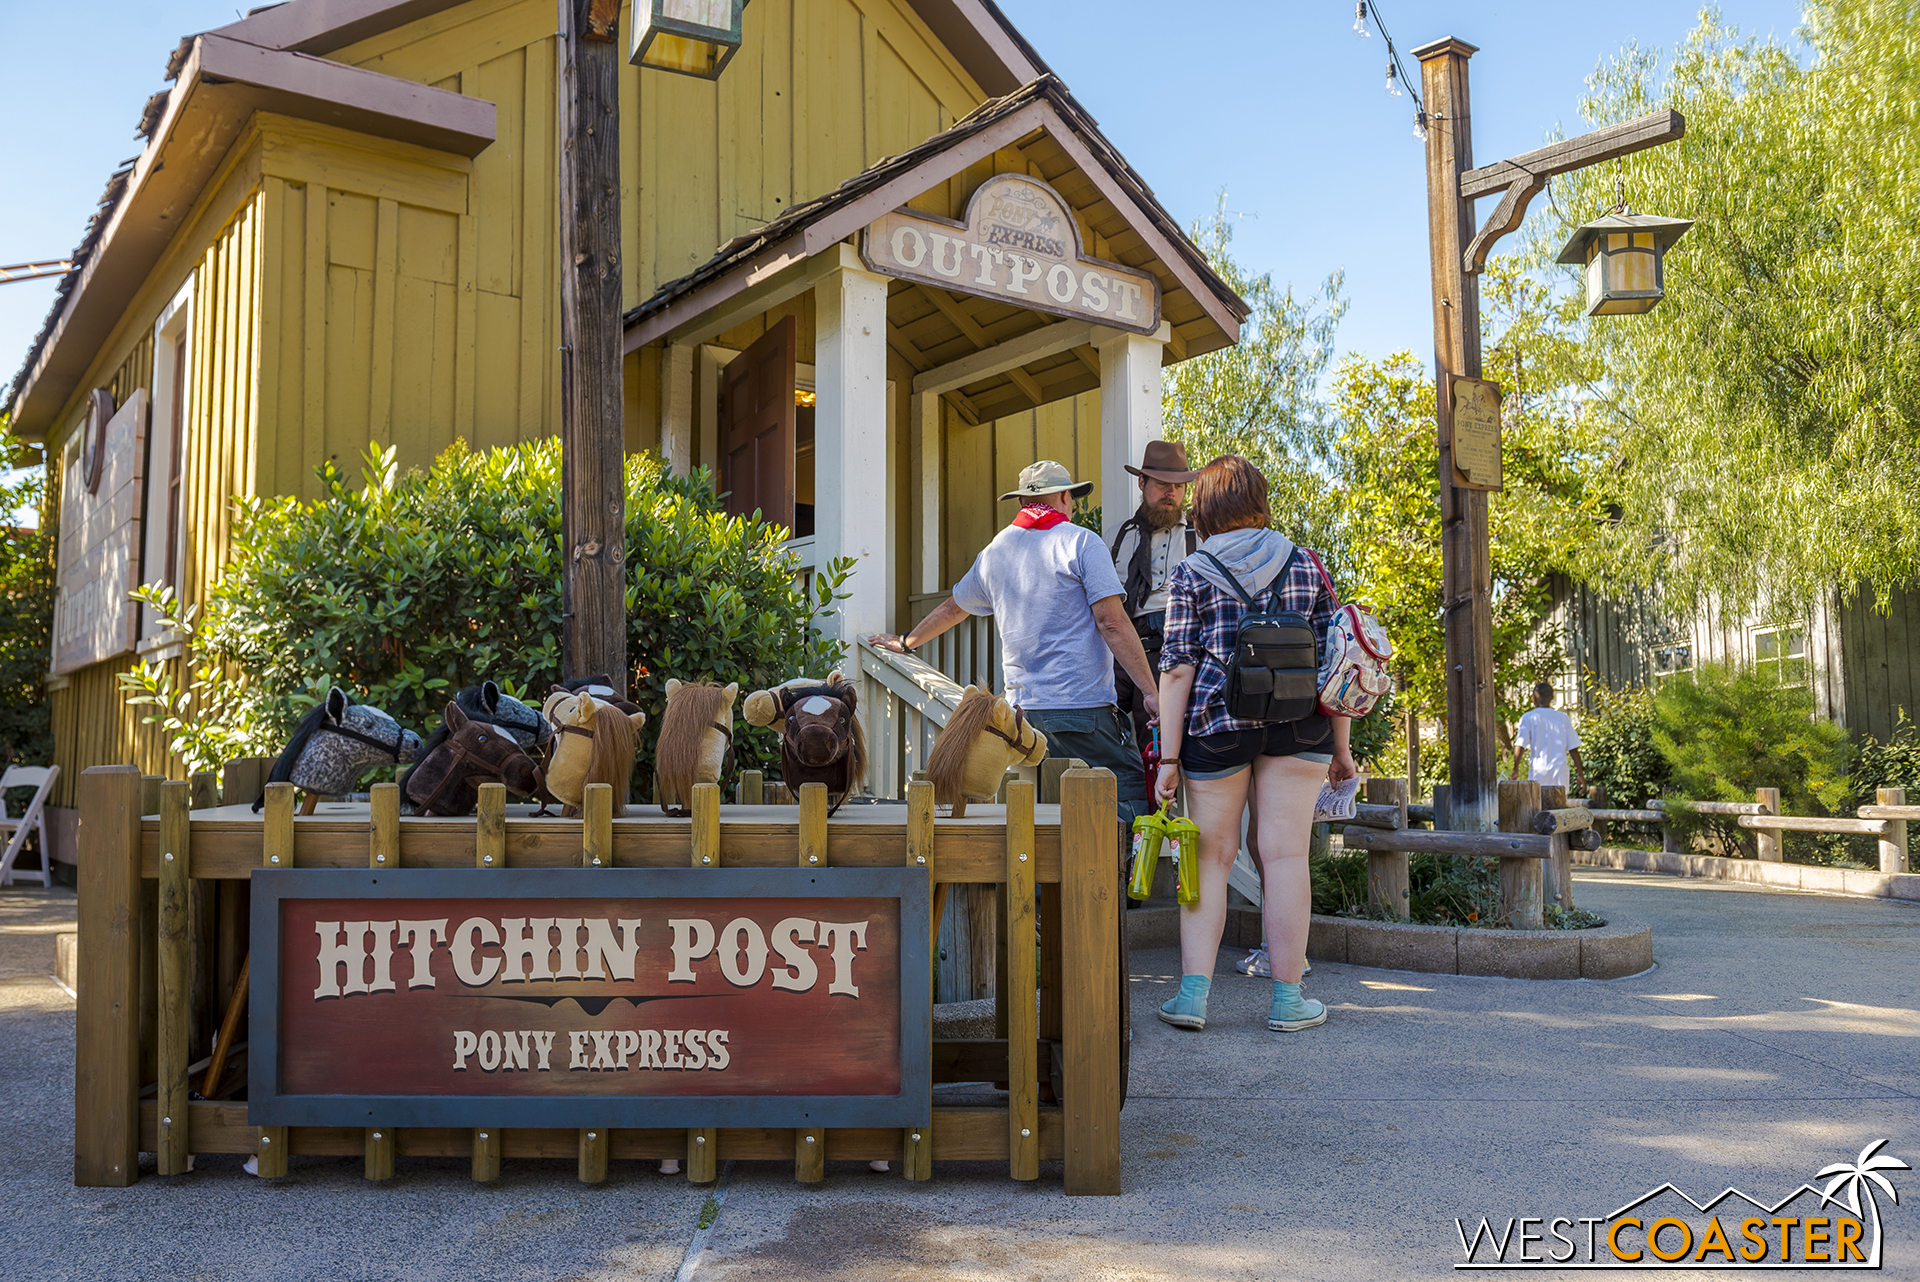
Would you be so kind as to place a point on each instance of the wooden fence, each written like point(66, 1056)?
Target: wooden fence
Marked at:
point(164, 873)
point(1886, 820)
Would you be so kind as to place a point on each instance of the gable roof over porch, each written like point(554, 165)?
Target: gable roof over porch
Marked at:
point(1043, 128)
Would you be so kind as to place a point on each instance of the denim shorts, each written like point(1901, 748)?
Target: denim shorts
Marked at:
point(1220, 756)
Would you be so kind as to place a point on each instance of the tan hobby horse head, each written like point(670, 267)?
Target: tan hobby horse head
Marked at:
point(696, 738)
point(593, 742)
point(984, 736)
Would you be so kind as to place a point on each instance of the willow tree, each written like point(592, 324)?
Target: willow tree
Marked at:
point(1765, 419)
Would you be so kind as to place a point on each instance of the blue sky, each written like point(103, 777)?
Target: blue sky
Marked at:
point(1279, 103)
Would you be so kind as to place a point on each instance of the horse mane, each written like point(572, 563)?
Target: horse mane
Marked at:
point(947, 763)
point(613, 753)
point(676, 754)
point(857, 755)
point(282, 771)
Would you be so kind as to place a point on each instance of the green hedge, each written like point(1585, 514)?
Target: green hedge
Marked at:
point(409, 586)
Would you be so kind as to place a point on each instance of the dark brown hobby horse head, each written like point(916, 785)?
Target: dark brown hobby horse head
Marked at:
point(448, 781)
point(821, 739)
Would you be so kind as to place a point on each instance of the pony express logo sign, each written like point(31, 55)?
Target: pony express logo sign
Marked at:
point(1835, 1227)
point(577, 997)
point(1020, 244)
point(93, 617)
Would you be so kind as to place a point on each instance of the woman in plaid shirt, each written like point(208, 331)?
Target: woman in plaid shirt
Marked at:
point(1278, 766)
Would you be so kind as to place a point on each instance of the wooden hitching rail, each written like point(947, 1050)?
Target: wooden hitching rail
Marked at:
point(186, 843)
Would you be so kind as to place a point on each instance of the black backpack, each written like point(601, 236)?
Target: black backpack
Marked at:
point(1274, 674)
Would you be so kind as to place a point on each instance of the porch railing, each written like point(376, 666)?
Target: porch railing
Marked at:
point(905, 700)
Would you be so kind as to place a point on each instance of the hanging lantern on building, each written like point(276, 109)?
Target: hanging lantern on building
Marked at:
point(691, 37)
point(1624, 255)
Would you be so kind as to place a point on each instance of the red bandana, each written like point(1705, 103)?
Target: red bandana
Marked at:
point(1038, 516)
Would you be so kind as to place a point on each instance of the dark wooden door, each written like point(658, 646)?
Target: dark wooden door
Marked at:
point(756, 426)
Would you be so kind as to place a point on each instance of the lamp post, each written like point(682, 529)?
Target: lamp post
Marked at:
point(1458, 251)
point(692, 37)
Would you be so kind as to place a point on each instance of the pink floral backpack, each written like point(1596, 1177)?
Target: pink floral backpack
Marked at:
point(1353, 658)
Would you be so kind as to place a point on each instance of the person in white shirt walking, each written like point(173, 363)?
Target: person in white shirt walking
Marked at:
point(1547, 741)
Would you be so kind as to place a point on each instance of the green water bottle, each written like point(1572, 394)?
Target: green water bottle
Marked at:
point(1149, 831)
point(1187, 863)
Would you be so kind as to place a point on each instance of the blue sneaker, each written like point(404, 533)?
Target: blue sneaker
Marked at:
point(1291, 1012)
point(1189, 1008)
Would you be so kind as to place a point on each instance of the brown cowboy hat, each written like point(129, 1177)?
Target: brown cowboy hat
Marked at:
point(1164, 461)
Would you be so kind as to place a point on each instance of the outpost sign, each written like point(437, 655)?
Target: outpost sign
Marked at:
point(561, 997)
point(1019, 243)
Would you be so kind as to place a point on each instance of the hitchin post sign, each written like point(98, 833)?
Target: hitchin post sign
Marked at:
point(582, 997)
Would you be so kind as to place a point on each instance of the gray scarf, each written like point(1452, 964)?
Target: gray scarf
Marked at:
point(1255, 557)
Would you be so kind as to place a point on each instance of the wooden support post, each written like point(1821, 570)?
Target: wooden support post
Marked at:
point(1520, 878)
point(276, 851)
point(703, 1143)
point(1893, 846)
point(1389, 881)
point(149, 946)
point(592, 384)
point(206, 790)
point(752, 788)
point(1769, 846)
point(917, 1141)
point(1017, 990)
point(242, 779)
point(383, 851)
point(1090, 881)
point(176, 995)
point(1413, 756)
point(1442, 808)
point(596, 851)
point(1597, 800)
point(810, 1143)
point(1051, 768)
point(1556, 882)
point(489, 851)
point(150, 794)
point(106, 1088)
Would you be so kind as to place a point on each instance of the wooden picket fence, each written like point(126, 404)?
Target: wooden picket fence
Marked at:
point(1886, 821)
point(164, 872)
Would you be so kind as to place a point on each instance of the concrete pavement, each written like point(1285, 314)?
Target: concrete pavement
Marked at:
point(1779, 1033)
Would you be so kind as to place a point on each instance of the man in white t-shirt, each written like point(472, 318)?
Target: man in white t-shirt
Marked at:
point(1547, 740)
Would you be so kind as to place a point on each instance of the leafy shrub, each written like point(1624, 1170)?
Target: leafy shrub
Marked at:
point(1443, 890)
point(26, 614)
point(411, 586)
point(1893, 764)
point(1618, 750)
point(1726, 731)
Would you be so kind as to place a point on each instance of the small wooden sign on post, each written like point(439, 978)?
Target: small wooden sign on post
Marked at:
point(1476, 434)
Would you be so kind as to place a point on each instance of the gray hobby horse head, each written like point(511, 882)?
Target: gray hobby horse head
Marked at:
point(338, 742)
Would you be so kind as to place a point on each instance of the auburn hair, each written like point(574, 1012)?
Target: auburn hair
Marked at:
point(1230, 494)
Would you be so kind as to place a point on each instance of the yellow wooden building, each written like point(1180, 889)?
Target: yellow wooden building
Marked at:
point(342, 230)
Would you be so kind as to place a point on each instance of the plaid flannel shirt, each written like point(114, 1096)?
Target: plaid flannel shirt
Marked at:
point(1203, 622)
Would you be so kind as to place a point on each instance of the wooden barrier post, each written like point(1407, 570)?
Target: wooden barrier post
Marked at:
point(810, 1143)
point(1090, 884)
point(1413, 755)
point(1893, 846)
point(917, 1141)
point(276, 851)
point(241, 781)
point(1051, 768)
point(1388, 879)
point(383, 851)
point(1767, 844)
point(596, 851)
point(489, 851)
point(1597, 800)
point(1557, 872)
point(149, 945)
point(1016, 990)
point(703, 1143)
point(1520, 878)
point(1442, 807)
point(752, 787)
point(106, 1084)
point(175, 965)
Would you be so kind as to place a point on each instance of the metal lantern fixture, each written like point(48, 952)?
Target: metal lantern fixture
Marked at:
point(692, 37)
point(1623, 254)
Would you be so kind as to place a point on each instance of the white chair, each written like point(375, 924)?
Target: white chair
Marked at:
point(40, 779)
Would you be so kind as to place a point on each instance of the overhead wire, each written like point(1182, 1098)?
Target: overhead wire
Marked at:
point(1365, 11)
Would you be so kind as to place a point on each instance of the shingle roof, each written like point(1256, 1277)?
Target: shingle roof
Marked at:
point(797, 218)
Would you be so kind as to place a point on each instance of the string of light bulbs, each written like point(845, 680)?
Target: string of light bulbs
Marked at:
point(1365, 11)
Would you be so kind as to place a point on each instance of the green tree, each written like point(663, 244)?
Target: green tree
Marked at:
point(1765, 419)
point(27, 593)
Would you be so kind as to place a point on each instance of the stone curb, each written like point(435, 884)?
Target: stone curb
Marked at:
point(1612, 951)
point(1780, 876)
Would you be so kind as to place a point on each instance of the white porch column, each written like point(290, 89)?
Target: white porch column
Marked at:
point(1129, 414)
point(853, 509)
point(676, 408)
point(925, 416)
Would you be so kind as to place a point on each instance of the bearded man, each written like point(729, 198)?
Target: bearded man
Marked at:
point(1145, 549)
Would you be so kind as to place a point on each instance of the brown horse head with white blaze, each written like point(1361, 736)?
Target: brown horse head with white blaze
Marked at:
point(821, 738)
point(594, 741)
point(696, 739)
point(984, 736)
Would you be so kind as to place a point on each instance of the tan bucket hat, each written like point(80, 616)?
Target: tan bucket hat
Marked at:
point(1047, 477)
